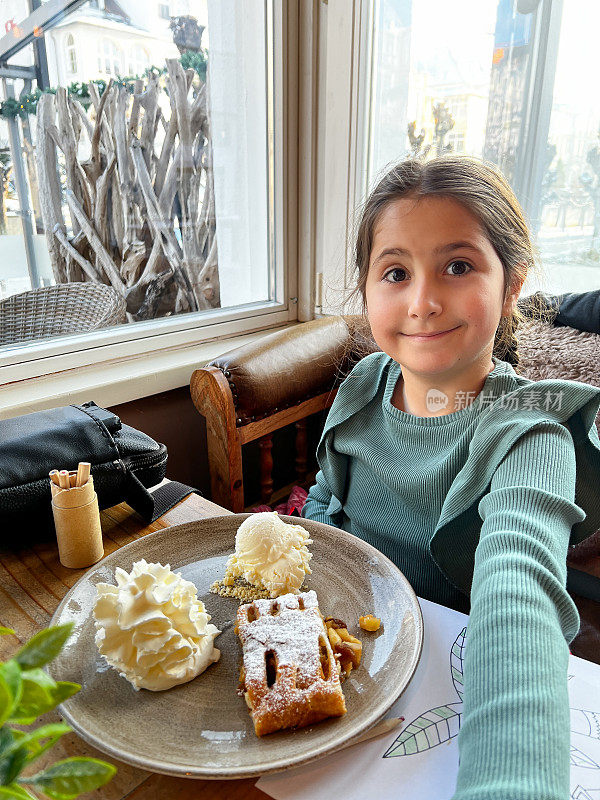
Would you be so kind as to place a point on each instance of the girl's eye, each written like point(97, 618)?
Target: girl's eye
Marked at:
point(398, 274)
point(395, 275)
point(465, 268)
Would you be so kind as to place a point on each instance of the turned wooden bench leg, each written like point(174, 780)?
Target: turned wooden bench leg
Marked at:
point(213, 397)
point(266, 467)
point(301, 450)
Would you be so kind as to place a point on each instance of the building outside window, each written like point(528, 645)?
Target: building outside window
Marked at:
point(113, 58)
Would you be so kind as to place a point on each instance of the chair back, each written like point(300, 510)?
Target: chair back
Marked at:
point(59, 310)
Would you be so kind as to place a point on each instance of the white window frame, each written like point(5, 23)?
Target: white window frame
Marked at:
point(344, 55)
point(154, 338)
point(138, 59)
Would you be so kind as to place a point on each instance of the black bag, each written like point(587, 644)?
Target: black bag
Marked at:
point(579, 310)
point(124, 462)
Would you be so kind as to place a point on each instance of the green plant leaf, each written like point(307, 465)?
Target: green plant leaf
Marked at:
point(12, 762)
point(39, 676)
point(64, 690)
point(6, 701)
point(6, 738)
point(5, 631)
point(10, 672)
point(15, 792)
point(44, 646)
point(68, 779)
point(40, 697)
point(39, 740)
point(36, 698)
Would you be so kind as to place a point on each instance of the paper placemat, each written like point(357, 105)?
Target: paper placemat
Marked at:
point(423, 752)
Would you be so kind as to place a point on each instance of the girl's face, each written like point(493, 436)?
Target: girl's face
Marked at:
point(432, 269)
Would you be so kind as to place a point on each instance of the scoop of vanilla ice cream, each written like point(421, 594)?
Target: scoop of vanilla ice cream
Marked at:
point(152, 627)
point(270, 553)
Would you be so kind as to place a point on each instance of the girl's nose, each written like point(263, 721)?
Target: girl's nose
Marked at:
point(424, 299)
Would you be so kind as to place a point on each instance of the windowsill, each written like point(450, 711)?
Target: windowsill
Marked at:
point(116, 382)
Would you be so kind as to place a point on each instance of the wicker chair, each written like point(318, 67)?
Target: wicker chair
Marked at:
point(59, 310)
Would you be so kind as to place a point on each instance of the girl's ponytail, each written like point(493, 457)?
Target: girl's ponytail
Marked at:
point(536, 307)
point(506, 343)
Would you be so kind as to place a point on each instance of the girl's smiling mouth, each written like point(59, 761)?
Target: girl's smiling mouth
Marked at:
point(424, 336)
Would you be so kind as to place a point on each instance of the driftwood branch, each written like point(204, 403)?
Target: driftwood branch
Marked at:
point(100, 212)
point(49, 184)
point(89, 269)
point(103, 257)
point(141, 207)
point(160, 227)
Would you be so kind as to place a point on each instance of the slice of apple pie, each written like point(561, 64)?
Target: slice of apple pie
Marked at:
point(289, 675)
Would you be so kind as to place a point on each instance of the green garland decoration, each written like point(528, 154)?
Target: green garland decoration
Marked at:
point(26, 104)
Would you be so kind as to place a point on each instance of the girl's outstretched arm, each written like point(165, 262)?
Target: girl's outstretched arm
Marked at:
point(514, 741)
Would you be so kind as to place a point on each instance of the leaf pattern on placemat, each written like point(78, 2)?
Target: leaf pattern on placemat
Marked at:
point(579, 793)
point(441, 724)
point(580, 759)
point(434, 727)
point(456, 662)
point(585, 722)
point(438, 724)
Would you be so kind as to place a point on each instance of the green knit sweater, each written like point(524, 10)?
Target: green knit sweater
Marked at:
point(386, 476)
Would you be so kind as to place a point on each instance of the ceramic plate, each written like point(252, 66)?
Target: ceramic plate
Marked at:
point(202, 729)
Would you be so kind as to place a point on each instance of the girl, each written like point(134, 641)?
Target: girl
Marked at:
point(462, 472)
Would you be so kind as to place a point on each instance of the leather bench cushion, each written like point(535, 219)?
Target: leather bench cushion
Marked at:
point(287, 367)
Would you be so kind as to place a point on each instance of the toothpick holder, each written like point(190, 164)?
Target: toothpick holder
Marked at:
point(77, 523)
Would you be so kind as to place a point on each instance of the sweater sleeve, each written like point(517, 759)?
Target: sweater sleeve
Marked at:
point(514, 739)
point(318, 500)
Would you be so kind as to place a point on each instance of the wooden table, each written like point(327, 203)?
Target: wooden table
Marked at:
point(32, 584)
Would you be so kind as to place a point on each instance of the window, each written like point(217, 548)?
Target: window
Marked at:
point(497, 79)
point(568, 181)
point(71, 54)
point(163, 11)
point(452, 81)
point(192, 235)
point(107, 50)
point(113, 58)
point(138, 60)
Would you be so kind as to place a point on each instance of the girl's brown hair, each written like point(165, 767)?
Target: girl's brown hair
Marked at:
point(484, 191)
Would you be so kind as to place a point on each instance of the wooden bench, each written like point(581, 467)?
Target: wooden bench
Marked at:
point(255, 390)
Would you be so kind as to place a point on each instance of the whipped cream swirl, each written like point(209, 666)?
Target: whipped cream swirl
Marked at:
point(152, 628)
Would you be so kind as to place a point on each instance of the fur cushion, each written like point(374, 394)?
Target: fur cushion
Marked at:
point(548, 352)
